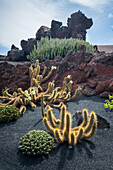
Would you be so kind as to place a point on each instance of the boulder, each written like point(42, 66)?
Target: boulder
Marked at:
point(43, 32)
point(16, 55)
point(27, 46)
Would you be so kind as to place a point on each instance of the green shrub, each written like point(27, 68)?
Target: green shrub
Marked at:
point(50, 48)
point(9, 113)
point(109, 103)
point(36, 143)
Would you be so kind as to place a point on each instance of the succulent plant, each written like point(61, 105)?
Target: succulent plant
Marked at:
point(36, 143)
point(50, 48)
point(109, 103)
point(9, 113)
point(62, 128)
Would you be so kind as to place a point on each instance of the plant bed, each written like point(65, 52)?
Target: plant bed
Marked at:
point(90, 154)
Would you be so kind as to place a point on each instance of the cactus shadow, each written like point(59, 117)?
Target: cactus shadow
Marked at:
point(64, 154)
point(83, 146)
point(27, 161)
point(37, 122)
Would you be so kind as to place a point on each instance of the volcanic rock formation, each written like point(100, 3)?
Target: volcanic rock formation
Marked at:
point(76, 28)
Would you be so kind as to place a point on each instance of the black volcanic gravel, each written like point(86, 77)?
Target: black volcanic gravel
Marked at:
point(93, 154)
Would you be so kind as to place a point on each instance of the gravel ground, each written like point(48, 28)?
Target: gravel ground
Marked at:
point(93, 154)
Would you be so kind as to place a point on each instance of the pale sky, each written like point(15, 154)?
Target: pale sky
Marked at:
point(20, 19)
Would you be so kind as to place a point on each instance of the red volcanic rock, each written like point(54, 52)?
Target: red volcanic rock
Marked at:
point(87, 91)
point(12, 77)
point(94, 76)
point(23, 85)
point(102, 86)
point(111, 86)
point(92, 83)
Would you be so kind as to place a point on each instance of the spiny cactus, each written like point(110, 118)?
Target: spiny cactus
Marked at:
point(20, 99)
point(52, 96)
point(62, 128)
point(9, 113)
point(35, 77)
point(36, 143)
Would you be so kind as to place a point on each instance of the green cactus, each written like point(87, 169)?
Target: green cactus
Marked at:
point(50, 48)
point(9, 113)
point(36, 143)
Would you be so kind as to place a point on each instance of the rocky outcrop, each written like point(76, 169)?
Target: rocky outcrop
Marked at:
point(27, 46)
point(43, 32)
point(92, 72)
point(76, 28)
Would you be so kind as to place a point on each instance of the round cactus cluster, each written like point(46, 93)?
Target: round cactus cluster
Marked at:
point(9, 113)
point(36, 143)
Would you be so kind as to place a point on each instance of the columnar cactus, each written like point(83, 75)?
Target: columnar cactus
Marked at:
point(36, 78)
point(52, 96)
point(62, 129)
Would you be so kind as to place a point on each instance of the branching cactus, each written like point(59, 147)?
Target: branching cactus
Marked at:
point(32, 96)
point(36, 78)
point(62, 128)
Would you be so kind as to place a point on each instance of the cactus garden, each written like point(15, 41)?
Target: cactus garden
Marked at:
point(56, 100)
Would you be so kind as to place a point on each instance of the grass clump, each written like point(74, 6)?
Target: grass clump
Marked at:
point(9, 113)
point(50, 48)
point(36, 143)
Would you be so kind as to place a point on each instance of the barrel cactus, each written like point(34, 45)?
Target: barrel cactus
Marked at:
point(9, 113)
point(36, 143)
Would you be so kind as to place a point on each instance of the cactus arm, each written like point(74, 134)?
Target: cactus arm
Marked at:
point(50, 88)
point(47, 125)
point(49, 74)
point(92, 131)
point(22, 92)
point(37, 63)
point(32, 104)
point(80, 133)
point(68, 122)
point(85, 118)
point(51, 118)
point(14, 94)
point(52, 95)
point(16, 102)
point(58, 136)
point(37, 84)
point(39, 78)
point(42, 106)
point(72, 139)
point(55, 105)
point(63, 117)
point(67, 98)
point(44, 71)
point(22, 109)
point(91, 122)
point(75, 94)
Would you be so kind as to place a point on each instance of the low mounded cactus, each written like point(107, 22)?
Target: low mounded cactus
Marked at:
point(36, 143)
point(9, 113)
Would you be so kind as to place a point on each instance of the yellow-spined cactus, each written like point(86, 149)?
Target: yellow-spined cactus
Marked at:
point(62, 129)
point(36, 78)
